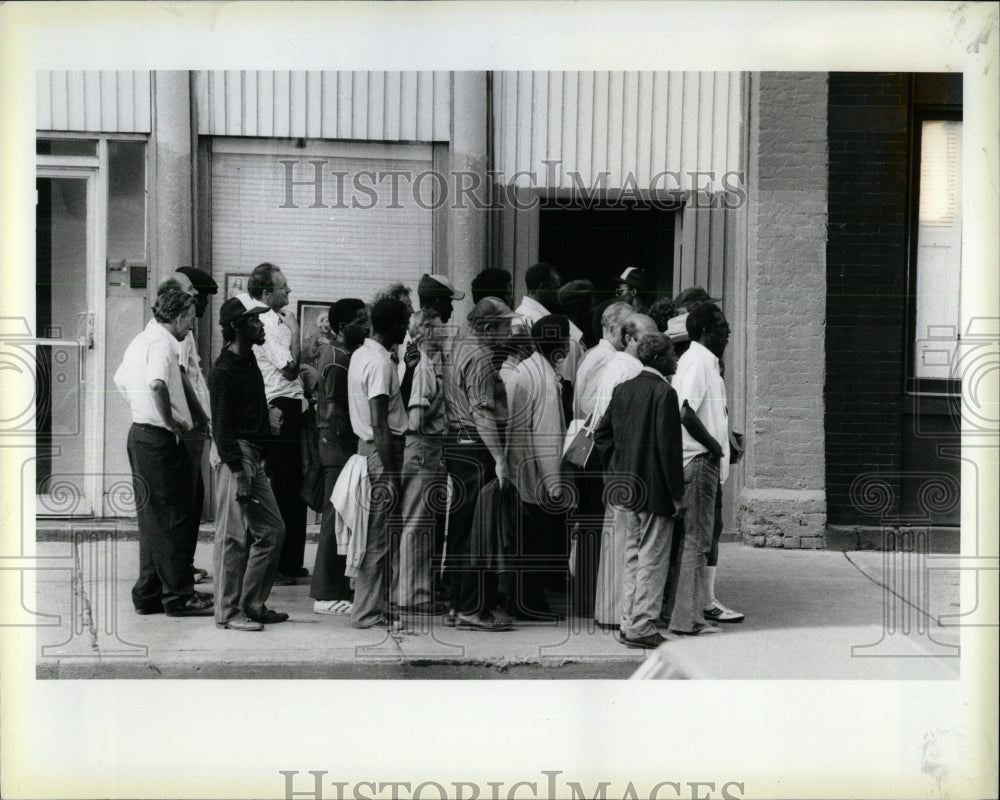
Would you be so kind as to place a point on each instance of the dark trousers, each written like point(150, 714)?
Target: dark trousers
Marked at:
point(713, 554)
point(194, 444)
point(472, 589)
point(539, 561)
point(161, 480)
point(328, 579)
point(587, 522)
point(284, 468)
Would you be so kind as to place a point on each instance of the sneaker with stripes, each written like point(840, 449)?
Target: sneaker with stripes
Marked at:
point(720, 613)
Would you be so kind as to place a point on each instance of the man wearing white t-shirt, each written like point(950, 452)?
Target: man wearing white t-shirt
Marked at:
point(378, 418)
point(701, 394)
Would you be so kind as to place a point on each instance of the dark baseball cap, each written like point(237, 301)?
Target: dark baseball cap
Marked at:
point(438, 286)
point(241, 305)
point(200, 280)
point(694, 294)
point(634, 277)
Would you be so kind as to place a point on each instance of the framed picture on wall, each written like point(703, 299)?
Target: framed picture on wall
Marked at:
point(236, 282)
point(312, 317)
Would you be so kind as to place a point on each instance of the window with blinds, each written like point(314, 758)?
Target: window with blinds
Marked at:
point(939, 249)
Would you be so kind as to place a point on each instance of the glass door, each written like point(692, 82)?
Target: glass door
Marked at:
point(67, 463)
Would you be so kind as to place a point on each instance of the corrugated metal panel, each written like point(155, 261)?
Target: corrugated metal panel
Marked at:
point(93, 101)
point(365, 106)
point(635, 124)
point(632, 123)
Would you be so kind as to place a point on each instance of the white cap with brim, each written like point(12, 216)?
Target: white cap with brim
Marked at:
point(677, 328)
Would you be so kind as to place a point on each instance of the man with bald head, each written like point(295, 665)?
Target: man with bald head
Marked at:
point(624, 366)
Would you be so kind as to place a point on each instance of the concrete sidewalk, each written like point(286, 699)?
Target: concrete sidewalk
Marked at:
point(810, 614)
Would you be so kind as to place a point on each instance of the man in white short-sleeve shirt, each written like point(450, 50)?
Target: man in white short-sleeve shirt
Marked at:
point(278, 360)
point(379, 419)
point(701, 393)
point(150, 380)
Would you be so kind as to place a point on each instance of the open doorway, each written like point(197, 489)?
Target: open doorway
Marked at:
point(596, 242)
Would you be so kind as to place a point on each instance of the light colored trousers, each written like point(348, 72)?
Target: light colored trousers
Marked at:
point(610, 592)
point(248, 539)
point(374, 572)
point(701, 482)
point(423, 481)
point(647, 559)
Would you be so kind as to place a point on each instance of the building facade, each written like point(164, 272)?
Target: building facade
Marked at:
point(798, 198)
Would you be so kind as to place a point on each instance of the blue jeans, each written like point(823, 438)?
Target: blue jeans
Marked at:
point(248, 539)
point(701, 484)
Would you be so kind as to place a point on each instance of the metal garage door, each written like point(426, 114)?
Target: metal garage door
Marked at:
point(348, 236)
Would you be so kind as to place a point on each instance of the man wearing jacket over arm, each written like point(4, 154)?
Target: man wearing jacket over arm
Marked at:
point(640, 442)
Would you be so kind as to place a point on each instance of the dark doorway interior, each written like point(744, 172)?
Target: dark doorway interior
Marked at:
point(597, 243)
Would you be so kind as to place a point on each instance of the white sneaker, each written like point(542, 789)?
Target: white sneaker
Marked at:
point(720, 613)
point(338, 607)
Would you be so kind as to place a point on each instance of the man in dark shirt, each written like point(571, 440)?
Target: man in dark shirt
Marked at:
point(640, 442)
point(330, 589)
point(249, 530)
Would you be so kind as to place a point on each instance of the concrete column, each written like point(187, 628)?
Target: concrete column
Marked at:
point(782, 501)
point(467, 221)
point(170, 209)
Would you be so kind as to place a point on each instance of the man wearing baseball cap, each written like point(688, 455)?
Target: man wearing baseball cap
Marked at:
point(436, 292)
point(249, 530)
point(685, 301)
point(203, 286)
point(631, 286)
point(473, 453)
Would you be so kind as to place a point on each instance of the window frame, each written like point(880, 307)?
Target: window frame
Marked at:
point(914, 386)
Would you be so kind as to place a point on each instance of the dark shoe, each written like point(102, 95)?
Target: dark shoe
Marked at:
point(205, 596)
point(699, 629)
point(544, 614)
point(429, 608)
point(650, 642)
point(193, 607)
point(269, 617)
point(484, 622)
point(150, 610)
point(301, 572)
point(240, 624)
point(384, 621)
point(283, 580)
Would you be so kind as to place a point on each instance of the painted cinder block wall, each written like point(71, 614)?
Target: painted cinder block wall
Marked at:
point(782, 502)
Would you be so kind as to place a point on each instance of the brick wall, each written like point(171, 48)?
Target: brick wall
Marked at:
point(865, 284)
point(782, 501)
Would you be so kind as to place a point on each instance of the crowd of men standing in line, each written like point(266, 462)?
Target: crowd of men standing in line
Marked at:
point(437, 454)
